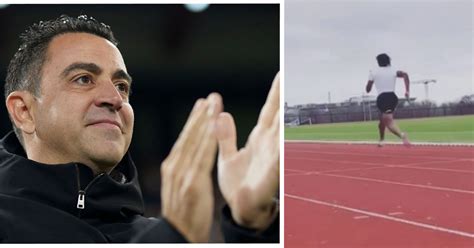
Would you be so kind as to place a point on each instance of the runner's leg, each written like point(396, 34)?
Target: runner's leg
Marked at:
point(391, 125)
point(381, 131)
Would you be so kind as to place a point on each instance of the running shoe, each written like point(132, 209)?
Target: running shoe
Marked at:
point(405, 140)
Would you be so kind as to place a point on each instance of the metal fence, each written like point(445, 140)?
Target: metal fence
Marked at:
point(370, 112)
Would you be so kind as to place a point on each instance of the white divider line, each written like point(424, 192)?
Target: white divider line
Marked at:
point(431, 168)
point(296, 174)
point(438, 162)
point(395, 213)
point(381, 155)
point(293, 170)
point(375, 142)
point(326, 173)
point(381, 166)
point(332, 160)
point(400, 151)
point(400, 166)
point(361, 217)
point(386, 217)
point(397, 183)
point(355, 169)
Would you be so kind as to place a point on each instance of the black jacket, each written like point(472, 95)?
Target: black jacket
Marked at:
point(65, 203)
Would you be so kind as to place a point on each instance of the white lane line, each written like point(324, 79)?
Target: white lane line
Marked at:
point(381, 166)
point(397, 183)
point(354, 169)
point(395, 213)
point(332, 160)
point(325, 173)
point(297, 171)
point(296, 174)
point(381, 154)
point(361, 217)
point(364, 142)
point(402, 167)
point(438, 162)
point(386, 217)
point(293, 170)
point(433, 169)
point(391, 182)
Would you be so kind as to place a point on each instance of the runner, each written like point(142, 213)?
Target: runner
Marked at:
point(384, 78)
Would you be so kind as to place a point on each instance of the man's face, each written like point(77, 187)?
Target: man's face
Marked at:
point(83, 113)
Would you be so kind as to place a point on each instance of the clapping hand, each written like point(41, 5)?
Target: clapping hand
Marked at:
point(249, 177)
point(186, 191)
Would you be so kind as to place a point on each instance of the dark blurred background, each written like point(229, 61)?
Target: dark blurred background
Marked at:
point(175, 57)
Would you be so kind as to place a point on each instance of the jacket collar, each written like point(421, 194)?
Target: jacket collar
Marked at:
point(114, 195)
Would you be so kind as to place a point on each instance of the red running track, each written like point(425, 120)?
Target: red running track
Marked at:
point(342, 195)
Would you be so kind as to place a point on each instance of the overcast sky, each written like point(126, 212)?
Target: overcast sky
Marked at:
point(330, 46)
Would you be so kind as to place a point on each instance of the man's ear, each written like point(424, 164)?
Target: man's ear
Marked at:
point(19, 105)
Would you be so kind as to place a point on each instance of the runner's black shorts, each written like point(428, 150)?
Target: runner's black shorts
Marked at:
point(387, 102)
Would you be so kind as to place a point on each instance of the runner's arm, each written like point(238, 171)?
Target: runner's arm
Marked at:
point(368, 87)
point(404, 75)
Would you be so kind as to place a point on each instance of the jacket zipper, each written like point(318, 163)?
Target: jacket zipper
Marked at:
point(81, 198)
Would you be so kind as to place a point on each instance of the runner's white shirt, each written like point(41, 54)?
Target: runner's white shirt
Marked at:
point(384, 79)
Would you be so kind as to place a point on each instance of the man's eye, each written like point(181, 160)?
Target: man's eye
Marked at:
point(122, 87)
point(83, 80)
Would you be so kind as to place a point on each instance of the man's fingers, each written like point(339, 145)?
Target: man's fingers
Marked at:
point(215, 101)
point(195, 136)
point(272, 104)
point(181, 155)
point(276, 133)
point(199, 110)
point(226, 135)
point(187, 184)
point(276, 123)
point(276, 119)
point(170, 170)
point(206, 152)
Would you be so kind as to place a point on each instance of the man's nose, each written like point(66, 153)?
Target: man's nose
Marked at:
point(108, 96)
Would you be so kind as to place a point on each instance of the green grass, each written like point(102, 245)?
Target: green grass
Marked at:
point(437, 129)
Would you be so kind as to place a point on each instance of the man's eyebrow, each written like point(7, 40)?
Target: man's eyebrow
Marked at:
point(90, 67)
point(121, 74)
